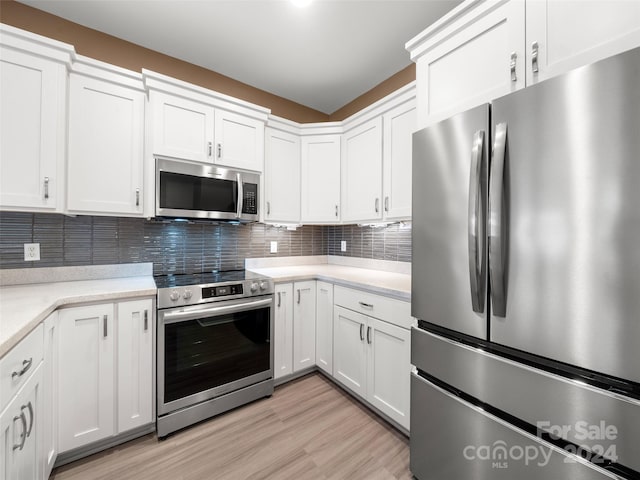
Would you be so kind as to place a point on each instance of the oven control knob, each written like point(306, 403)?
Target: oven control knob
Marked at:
point(254, 287)
point(174, 295)
point(263, 285)
point(187, 294)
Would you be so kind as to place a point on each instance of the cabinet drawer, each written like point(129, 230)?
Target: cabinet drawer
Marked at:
point(22, 361)
point(388, 309)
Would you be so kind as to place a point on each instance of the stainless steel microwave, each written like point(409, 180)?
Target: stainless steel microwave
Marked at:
point(195, 190)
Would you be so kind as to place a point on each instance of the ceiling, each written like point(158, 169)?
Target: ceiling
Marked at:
point(321, 56)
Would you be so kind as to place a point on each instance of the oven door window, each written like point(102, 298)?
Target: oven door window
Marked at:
point(212, 351)
point(188, 192)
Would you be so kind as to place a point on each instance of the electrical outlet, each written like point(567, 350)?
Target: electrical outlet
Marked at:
point(31, 252)
point(274, 247)
point(343, 246)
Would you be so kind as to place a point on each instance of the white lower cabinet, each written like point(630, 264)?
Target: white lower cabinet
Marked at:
point(50, 395)
point(21, 432)
point(105, 371)
point(304, 325)
point(372, 357)
point(283, 330)
point(324, 326)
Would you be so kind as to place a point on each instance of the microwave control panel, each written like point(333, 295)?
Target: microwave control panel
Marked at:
point(250, 198)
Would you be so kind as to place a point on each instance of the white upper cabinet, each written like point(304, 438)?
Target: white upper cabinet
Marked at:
point(281, 177)
point(181, 128)
point(471, 56)
point(479, 51)
point(399, 125)
point(33, 86)
point(239, 141)
point(193, 123)
point(362, 172)
point(320, 179)
point(106, 140)
point(569, 34)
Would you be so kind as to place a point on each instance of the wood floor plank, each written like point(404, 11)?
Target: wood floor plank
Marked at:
point(308, 430)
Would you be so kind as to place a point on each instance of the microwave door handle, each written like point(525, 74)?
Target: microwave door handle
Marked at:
point(240, 194)
point(199, 313)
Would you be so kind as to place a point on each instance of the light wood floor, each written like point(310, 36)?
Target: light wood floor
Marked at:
point(308, 429)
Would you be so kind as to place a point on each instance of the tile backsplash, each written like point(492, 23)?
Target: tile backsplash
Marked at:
point(182, 247)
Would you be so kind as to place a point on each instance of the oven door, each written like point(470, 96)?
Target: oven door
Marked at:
point(208, 350)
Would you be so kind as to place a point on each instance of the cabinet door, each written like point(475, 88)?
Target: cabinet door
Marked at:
point(324, 326)
point(20, 432)
point(399, 125)
point(350, 350)
point(135, 364)
point(239, 141)
point(320, 179)
point(86, 360)
point(362, 172)
point(106, 138)
point(388, 372)
point(182, 128)
point(473, 65)
point(282, 177)
point(49, 410)
point(570, 34)
point(33, 97)
point(304, 325)
point(283, 330)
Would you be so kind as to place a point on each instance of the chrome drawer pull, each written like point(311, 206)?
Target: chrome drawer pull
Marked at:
point(366, 305)
point(26, 365)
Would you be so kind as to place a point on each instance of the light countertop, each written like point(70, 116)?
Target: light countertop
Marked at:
point(23, 307)
point(392, 284)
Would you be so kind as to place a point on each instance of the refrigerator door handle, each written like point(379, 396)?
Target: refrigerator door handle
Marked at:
point(476, 225)
point(496, 240)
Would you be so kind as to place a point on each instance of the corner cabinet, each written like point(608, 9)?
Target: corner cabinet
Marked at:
point(106, 140)
point(281, 177)
point(33, 95)
point(107, 349)
point(362, 172)
point(484, 49)
point(320, 179)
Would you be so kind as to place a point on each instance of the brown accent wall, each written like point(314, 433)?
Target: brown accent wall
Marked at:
point(115, 51)
point(391, 84)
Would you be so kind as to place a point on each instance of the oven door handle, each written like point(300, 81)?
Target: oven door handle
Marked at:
point(196, 314)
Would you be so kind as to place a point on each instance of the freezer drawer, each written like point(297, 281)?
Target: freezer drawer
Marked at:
point(453, 440)
point(584, 415)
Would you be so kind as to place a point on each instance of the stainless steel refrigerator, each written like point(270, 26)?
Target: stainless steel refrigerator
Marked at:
point(526, 283)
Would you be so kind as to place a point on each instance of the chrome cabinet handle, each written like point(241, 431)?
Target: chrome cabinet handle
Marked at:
point(219, 150)
point(534, 57)
point(369, 335)
point(268, 208)
point(386, 204)
point(512, 65)
point(298, 296)
point(26, 365)
point(362, 332)
point(279, 300)
point(23, 435)
point(46, 188)
point(475, 225)
point(137, 197)
point(104, 326)
point(336, 211)
point(29, 407)
point(209, 149)
point(366, 305)
point(146, 320)
point(496, 242)
point(377, 205)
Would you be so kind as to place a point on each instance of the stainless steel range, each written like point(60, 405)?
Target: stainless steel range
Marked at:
point(215, 337)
